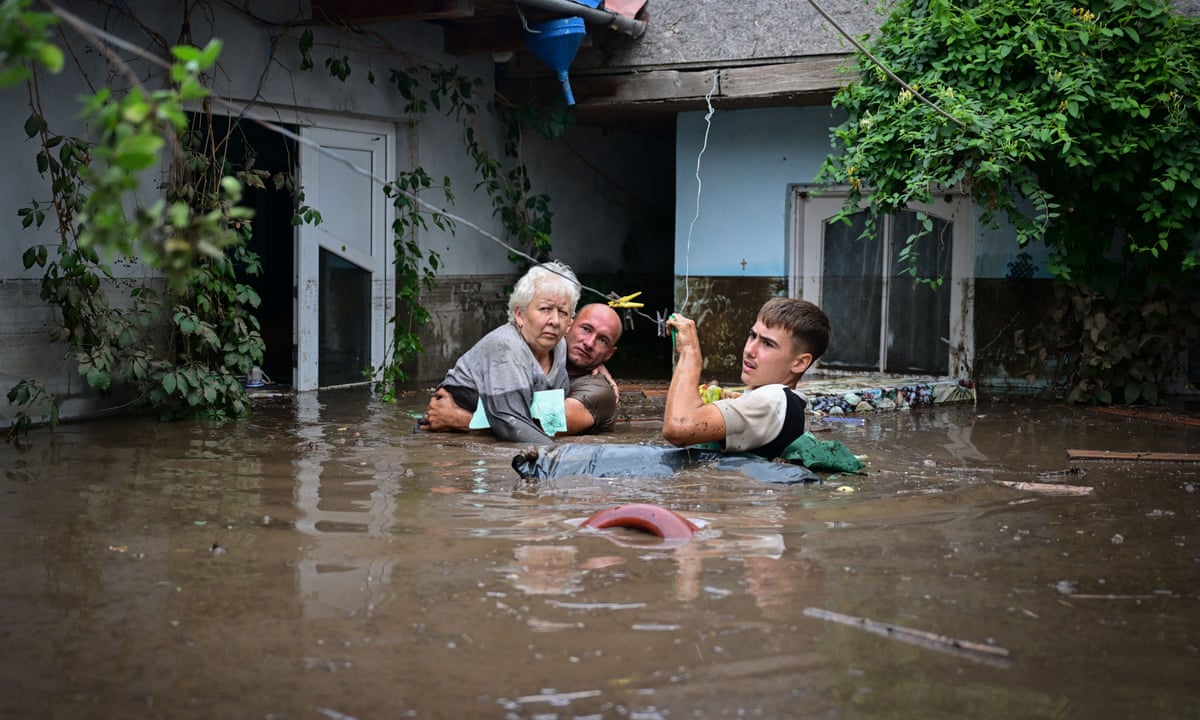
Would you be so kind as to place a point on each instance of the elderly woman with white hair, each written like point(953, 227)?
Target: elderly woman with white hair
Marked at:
point(502, 371)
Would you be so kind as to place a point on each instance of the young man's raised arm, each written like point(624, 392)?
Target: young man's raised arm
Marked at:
point(687, 419)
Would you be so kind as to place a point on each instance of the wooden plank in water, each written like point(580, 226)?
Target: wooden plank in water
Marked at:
point(1075, 454)
point(1151, 415)
point(976, 651)
point(1048, 488)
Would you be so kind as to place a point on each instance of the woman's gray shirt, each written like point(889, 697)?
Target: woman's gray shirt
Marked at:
point(504, 373)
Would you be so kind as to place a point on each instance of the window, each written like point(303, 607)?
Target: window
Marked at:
point(883, 318)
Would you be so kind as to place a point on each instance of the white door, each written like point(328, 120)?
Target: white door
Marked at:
point(343, 298)
point(882, 318)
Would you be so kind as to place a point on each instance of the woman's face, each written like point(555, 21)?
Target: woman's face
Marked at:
point(544, 321)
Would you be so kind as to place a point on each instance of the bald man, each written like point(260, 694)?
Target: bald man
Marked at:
point(592, 402)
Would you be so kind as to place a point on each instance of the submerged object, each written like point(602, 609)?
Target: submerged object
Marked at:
point(660, 521)
point(623, 460)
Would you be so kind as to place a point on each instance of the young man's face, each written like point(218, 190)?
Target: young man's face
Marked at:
point(769, 357)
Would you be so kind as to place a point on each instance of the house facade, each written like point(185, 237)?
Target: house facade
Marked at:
point(748, 100)
point(328, 289)
point(687, 175)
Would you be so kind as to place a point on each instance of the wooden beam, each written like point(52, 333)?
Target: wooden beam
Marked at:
point(643, 87)
point(373, 11)
point(1048, 488)
point(807, 76)
point(1132, 456)
point(483, 38)
point(1153, 415)
point(750, 86)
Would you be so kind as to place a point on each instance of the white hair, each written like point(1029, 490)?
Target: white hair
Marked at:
point(553, 277)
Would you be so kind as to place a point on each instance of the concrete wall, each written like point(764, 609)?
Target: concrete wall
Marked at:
point(601, 184)
point(733, 172)
point(737, 209)
point(732, 247)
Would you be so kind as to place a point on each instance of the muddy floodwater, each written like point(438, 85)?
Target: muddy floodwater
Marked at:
point(320, 560)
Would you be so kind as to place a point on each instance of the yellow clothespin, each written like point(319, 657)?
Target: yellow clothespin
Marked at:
point(626, 301)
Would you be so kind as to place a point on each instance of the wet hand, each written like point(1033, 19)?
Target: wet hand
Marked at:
point(602, 371)
point(444, 415)
point(683, 332)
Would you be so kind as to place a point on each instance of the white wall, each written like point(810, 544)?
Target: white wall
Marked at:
point(996, 249)
point(587, 220)
point(751, 159)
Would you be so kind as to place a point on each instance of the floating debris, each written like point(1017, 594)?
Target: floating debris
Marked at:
point(983, 652)
point(1048, 488)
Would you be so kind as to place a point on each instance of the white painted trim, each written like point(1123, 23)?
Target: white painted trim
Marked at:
point(310, 239)
point(809, 213)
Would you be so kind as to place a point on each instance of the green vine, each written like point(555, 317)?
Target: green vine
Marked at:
point(1117, 337)
point(1077, 124)
point(525, 216)
point(179, 349)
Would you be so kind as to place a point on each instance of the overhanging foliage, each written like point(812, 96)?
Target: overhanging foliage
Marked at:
point(1088, 114)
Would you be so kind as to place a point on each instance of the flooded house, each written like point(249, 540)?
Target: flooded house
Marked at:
point(685, 172)
point(322, 559)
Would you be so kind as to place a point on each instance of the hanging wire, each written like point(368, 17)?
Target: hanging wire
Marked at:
point(687, 252)
point(524, 22)
point(98, 37)
point(879, 63)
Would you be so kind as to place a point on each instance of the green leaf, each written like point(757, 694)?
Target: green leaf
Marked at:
point(211, 52)
point(186, 53)
point(13, 74)
point(98, 379)
point(138, 152)
point(1150, 392)
point(1133, 390)
point(34, 124)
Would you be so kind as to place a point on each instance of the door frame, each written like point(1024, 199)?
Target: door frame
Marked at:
point(378, 138)
point(811, 207)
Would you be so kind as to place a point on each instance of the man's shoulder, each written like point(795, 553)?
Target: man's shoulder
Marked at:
point(590, 385)
point(765, 398)
point(598, 397)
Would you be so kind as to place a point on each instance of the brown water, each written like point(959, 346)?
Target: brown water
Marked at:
point(322, 561)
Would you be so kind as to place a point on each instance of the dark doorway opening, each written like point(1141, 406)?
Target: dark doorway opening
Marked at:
point(344, 345)
point(249, 145)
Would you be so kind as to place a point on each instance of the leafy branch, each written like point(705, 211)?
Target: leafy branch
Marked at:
point(1082, 133)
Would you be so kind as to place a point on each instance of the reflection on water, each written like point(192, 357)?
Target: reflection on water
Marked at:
point(356, 505)
point(545, 570)
point(322, 560)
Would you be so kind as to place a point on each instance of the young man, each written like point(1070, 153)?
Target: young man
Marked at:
point(787, 338)
point(591, 404)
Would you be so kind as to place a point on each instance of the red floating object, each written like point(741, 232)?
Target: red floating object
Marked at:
point(667, 524)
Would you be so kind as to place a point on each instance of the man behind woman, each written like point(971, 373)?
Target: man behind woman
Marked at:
point(527, 354)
